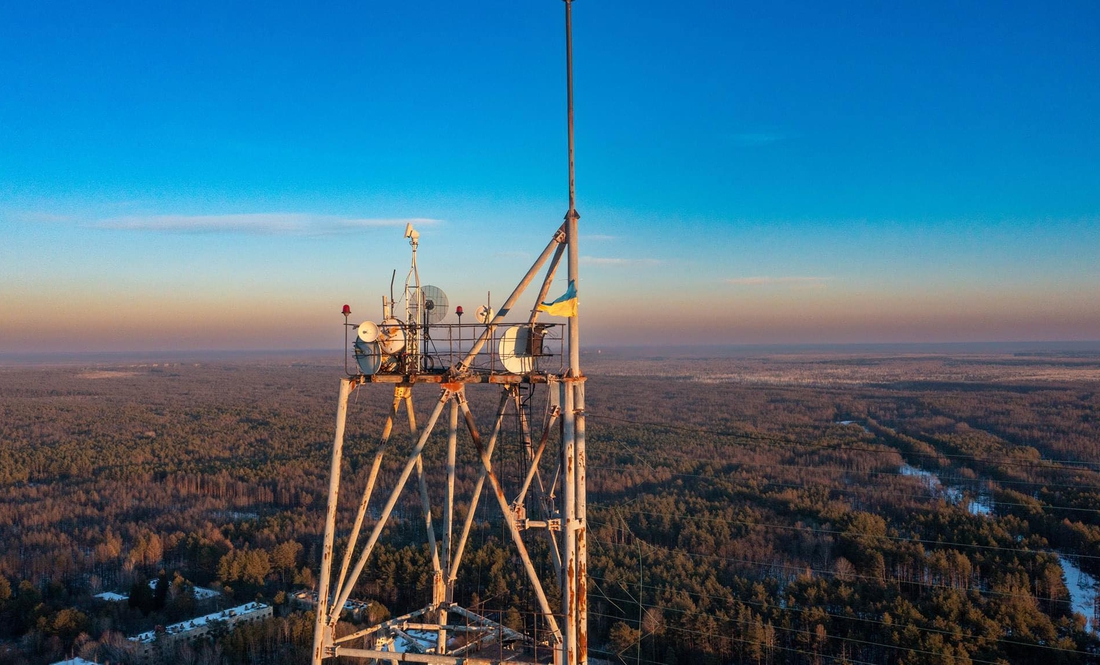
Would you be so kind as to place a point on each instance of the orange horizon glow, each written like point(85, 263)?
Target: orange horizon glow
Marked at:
point(232, 321)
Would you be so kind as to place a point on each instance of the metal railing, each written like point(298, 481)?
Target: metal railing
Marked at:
point(534, 349)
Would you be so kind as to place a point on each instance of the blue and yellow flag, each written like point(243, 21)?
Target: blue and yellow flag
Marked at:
point(563, 306)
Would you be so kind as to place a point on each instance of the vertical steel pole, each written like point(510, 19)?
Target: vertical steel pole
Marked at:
point(569, 100)
point(575, 524)
point(572, 216)
point(568, 524)
point(581, 500)
point(330, 524)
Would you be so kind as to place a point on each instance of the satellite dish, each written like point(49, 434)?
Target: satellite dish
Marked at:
point(513, 350)
point(435, 303)
point(368, 355)
point(368, 331)
point(391, 336)
point(484, 314)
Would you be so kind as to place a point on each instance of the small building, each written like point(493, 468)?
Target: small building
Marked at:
point(357, 610)
point(200, 593)
point(143, 644)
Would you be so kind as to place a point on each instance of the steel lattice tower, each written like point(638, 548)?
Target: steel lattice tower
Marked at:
point(562, 501)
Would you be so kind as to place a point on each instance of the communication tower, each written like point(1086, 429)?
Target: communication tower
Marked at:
point(413, 348)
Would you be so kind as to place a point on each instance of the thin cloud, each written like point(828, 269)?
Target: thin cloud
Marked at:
point(611, 261)
point(756, 138)
point(788, 280)
point(298, 224)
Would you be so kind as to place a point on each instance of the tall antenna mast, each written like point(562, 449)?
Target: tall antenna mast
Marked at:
point(547, 504)
point(574, 502)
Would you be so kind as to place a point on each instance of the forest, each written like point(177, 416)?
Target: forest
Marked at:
point(743, 508)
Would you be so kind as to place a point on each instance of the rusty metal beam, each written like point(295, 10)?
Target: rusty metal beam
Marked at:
point(468, 523)
point(546, 502)
point(319, 629)
point(353, 539)
point(551, 270)
point(568, 527)
point(581, 499)
point(385, 624)
point(345, 592)
point(461, 368)
point(534, 459)
point(426, 508)
point(510, 520)
point(448, 525)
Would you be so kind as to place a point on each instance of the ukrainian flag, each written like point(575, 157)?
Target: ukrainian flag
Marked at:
point(563, 306)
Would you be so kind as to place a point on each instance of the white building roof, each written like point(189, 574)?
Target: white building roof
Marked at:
point(109, 596)
point(198, 622)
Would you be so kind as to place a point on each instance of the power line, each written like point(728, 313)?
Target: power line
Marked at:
point(834, 616)
point(851, 640)
point(763, 644)
point(828, 573)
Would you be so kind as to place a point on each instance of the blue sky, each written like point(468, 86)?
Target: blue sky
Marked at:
point(205, 176)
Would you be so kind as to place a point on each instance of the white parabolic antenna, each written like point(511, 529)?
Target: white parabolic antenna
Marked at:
point(368, 355)
point(435, 303)
point(484, 314)
point(368, 331)
point(513, 350)
point(391, 336)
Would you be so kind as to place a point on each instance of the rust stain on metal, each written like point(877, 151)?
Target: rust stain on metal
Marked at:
point(570, 576)
point(582, 598)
